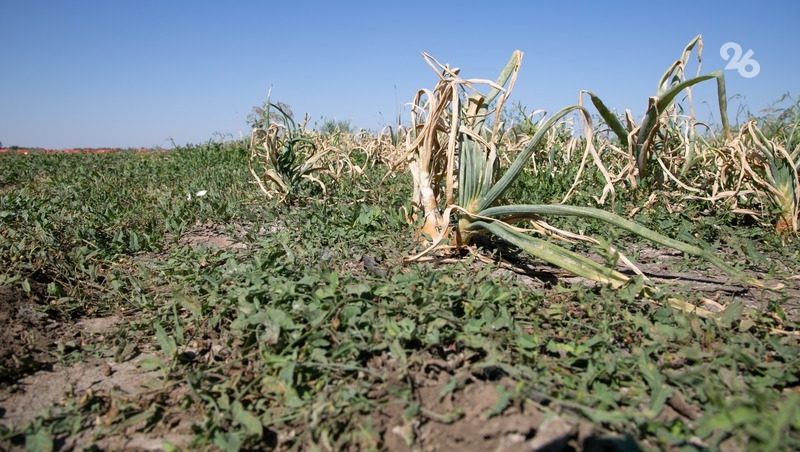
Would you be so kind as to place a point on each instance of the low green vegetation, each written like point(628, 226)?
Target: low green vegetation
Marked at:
point(297, 321)
point(313, 329)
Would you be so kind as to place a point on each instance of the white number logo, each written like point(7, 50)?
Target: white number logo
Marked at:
point(744, 64)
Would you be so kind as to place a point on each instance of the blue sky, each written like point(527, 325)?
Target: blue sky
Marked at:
point(139, 73)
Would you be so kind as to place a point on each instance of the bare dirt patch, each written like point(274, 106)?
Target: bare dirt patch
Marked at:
point(35, 383)
point(30, 334)
point(231, 236)
point(99, 325)
point(119, 390)
point(27, 335)
point(116, 388)
point(481, 426)
point(210, 236)
point(473, 409)
point(37, 393)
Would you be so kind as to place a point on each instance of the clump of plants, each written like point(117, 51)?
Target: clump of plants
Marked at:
point(282, 154)
point(454, 156)
point(756, 171)
point(750, 172)
point(667, 127)
point(764, 169)
point(663, 117)
point(285, 156)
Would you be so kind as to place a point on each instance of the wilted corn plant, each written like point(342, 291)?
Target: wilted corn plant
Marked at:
point(640, 140)
point(454, 148)
point(283, 153)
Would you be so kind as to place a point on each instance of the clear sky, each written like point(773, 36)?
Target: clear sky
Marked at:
point(137, 73)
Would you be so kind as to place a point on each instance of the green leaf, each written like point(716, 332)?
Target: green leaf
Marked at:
point(788, 414)
point(554, 254)
point(228, 441)
point(527, 341)
point(149, 363)
point(504, 397)
point(40, 441)
point(610, 119)
point(281, 318)
point(141, 419)
point(451, 386)
point(325, 292)
point(531, 210)
point(398, 352)
point(246, 419)
point(191, 305)
point(732, 313)
point(357, 289)
point(165, 342)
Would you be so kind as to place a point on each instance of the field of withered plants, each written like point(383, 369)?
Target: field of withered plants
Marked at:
point(475, 277)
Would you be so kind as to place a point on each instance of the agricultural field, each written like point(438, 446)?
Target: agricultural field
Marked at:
point(478, 280)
